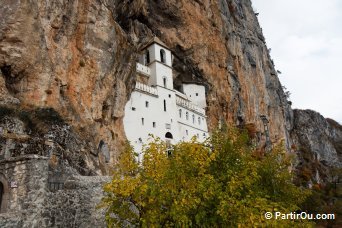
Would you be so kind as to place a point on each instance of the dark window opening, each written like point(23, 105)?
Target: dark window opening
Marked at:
point(169, 95)
point(168, 135)
point(142, 121)
point(180, 113)
point(193, 118)
point(164, 105)
point(187, 116)
point(154, 124)
point(196, 94)
point(133, 108)
point(146, 104)
point(164, 81)
point(162, 56)
point(147, 57)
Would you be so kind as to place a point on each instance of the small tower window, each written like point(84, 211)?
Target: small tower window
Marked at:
point(187, 116)
point(146, 104)
point(180, 113)
point(147, 57)
point(164, 81)
point(193, 118)
point(162, 56)
point(154, 124)
point(164, 105)
point(142, 121)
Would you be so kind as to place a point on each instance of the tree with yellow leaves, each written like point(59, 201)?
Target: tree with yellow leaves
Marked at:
point(219, 183)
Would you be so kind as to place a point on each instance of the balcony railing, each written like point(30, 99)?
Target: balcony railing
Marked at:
point(147, 89)
point(189, 105)
point(143, 69)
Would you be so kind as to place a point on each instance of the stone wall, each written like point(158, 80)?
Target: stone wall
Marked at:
point(76, 205)
point(30, 201)
point(25, 190)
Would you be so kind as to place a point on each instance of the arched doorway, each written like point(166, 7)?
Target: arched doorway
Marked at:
point(4, 193)
point(1, 193)
point(168, 135)
point(168, 138)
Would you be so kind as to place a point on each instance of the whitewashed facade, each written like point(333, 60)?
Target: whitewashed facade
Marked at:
point(156, 108)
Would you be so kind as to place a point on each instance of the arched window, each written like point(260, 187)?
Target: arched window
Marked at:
point(164, 81)
point(193, 118)
point(180, 113)
point(187, 116)
point(168, 135)
point(147, 57)
point(162, 56)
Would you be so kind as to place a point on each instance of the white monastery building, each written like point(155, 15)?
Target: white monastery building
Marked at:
point(156, 108)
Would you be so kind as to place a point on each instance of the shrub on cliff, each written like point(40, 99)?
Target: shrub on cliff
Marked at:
point(213, 184)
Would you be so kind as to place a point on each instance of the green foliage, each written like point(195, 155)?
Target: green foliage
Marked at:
point(219, 183)
point(326, 198)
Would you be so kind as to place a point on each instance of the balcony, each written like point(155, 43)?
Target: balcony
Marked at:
point(180, 101)
point(147, 89)
point(143, 69)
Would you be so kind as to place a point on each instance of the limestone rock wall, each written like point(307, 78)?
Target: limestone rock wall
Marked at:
point(318, 145)
point(70, 56)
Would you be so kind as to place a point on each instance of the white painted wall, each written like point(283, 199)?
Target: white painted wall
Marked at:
point(195, 93)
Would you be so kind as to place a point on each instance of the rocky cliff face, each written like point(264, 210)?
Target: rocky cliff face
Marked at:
point(318, 143)
point(71, 57)
point(78, 59)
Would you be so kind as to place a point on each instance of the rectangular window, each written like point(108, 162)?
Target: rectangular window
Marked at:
point(133, 108)
point(154, 124)
point(196, 94)
point(164, 105)
point(142, 121)
point(146, 104)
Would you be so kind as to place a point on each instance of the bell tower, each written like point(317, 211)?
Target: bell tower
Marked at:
point(158, 57)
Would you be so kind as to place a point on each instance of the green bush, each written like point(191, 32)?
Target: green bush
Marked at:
point(219, 183)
